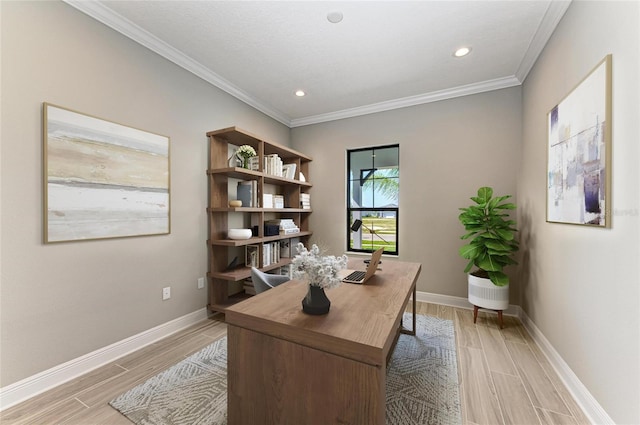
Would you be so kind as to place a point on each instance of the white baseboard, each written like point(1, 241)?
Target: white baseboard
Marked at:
point(580, 393)
point(458, 302)
point(43, 381)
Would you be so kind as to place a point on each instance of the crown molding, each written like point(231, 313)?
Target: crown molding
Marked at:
point(436, 96)
point(103, 14)
point(548, 24)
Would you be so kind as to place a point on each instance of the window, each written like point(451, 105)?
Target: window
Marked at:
point(373, 188)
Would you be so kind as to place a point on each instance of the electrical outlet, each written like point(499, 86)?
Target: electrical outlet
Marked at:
point(166, 293)
point(200, 282)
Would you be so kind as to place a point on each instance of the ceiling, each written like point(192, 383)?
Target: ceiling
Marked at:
point(383, 55)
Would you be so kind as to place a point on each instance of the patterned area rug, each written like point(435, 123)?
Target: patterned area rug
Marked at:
point(422, 383)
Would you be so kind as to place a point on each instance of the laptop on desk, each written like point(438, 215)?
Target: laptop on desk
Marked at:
point(358, 276)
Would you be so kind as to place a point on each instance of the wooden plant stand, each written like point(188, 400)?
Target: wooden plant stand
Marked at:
point(475, 315)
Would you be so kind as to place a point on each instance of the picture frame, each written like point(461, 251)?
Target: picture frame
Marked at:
point(579, 152)
point(102, 179)
point(289, 171)
point(252, 258)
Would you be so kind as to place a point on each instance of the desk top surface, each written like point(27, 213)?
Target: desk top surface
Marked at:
point(361, 323)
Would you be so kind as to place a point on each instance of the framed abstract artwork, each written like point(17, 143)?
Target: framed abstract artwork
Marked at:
point(102, 179)
point(579, 152)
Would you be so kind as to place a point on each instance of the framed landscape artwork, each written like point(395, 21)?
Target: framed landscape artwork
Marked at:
point(102, 179)
point(579, 153)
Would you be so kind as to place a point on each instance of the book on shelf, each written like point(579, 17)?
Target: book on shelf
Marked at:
point(283, 223)
point(270, 253)
point(275, 252)
point(273, 165)
point(286, 225)
point(244, 194)
point(266, 255)
point(305, 201)
point(278, 201)
point(267, 200)
point(247, 192)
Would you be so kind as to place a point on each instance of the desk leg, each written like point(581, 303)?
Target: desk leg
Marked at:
point(413, 329)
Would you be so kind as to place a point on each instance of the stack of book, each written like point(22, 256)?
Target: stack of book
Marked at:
point(272, 201)
point(287, 225)
point(248, 193)
point(273, 165)
point(305, 201)
point(270, 253)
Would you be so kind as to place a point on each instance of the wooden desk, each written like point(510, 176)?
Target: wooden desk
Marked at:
point(287, 367)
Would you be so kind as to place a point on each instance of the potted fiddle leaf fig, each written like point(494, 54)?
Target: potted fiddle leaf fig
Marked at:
point(491, 244)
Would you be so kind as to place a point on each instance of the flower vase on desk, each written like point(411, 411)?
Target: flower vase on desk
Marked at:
point(316, 301)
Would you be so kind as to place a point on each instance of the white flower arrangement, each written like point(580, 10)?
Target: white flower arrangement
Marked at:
point(246, 151)
point(318, 270)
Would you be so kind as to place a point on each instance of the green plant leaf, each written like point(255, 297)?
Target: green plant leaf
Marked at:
point(485, 193)
point(499, 278)
point(497, 246)
point(489, 264)
point(469, 266)
point(469, 251)
point(505, 234)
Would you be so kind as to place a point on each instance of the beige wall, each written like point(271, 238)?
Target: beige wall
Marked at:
point(64, 300)
point(448, 150)
point(580, 285)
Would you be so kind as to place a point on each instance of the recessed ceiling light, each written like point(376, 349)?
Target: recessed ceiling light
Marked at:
point(463, 51)
point(300, 93)
point(334, 17)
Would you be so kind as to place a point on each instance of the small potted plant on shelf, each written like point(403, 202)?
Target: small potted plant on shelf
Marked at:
point(245, 152)
point(490, 233)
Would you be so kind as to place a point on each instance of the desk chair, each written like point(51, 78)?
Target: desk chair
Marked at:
point(263, 281)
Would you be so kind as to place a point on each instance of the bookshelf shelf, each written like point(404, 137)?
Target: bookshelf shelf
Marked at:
point(256, 240)
point(224, 288)
point(243, 272)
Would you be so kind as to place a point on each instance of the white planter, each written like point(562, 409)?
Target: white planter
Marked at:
point(483, 293)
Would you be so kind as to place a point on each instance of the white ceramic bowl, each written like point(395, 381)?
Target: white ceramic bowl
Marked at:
point(239, 233)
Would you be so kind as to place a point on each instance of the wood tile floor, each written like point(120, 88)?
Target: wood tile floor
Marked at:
point(505, 378)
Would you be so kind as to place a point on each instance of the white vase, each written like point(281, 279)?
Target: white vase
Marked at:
point(483, 293)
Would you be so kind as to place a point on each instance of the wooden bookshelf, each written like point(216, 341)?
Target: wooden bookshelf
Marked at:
point(222, 178)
